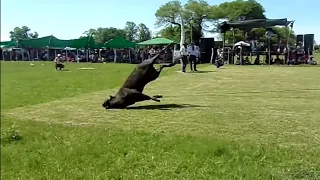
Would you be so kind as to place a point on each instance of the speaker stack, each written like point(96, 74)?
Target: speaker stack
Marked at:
point(300, 38)
point(307, 41)
point(206, 44)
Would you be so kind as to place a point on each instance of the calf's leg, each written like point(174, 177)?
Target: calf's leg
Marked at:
point(165, 66)
point(157, 96)
point(138, 96)
point(144, 97)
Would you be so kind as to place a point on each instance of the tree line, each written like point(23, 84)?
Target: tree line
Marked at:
point(199, 16)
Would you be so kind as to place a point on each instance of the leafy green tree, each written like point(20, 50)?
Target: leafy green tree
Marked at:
point(131, 31)
point(169, 13)
point(102, 35)
point(240, 10)
point(173, 33)
point(195, 13)
point(144, 33)
point(22, 33)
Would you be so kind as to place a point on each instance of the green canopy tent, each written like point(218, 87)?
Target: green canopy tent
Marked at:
point(8, 44)
point(51, 42)
point(119, 43)
point(80, 43)
point(156, 41)
point(43, 42)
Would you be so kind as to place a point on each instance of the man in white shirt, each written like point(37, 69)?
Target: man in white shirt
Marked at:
point(184, 57)
point(193, 53)
point(59, 62)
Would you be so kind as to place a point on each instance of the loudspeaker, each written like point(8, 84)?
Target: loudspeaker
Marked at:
point(308, 42)
point(206, 44)
point(300, 38)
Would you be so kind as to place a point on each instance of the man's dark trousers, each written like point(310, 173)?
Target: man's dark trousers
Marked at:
point(193, 60)
point(184, 61)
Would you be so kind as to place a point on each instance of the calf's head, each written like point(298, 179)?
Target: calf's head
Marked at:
point(108, 104)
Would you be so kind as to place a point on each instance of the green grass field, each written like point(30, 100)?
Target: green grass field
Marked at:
point(238, 122)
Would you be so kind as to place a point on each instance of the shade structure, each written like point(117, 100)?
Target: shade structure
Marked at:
point(119, 43)
point(8, 44)
point(156, 41)
point(51, 42)
point(254, 23)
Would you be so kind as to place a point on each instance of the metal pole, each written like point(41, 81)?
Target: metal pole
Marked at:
point(115, 55)
point(308, 54)
point(233, 36)
point(129, 56)
point(37, 54)
point(174, 48)
point(228, 55)
point(269, 49)
point(48, 58)
point(241, 56)
point(288, 38)
point(223, 44)
point(87, 54)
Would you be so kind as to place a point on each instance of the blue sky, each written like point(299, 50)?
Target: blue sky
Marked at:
point(68, 19)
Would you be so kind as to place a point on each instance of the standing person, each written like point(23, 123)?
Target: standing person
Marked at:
point(219, 59)
point(193, 53)
point(152, 52)
point(59, 62)
point(198, 54)
point(184, 57)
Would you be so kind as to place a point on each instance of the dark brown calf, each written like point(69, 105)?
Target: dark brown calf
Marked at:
point(131, 90)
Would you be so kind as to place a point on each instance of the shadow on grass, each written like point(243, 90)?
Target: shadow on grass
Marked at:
point(200, 72)
point(163, 106)
point(64, 70)
point(275, 91)
point(208, 71)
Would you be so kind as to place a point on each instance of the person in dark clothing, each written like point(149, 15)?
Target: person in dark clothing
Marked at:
point(193, 53)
